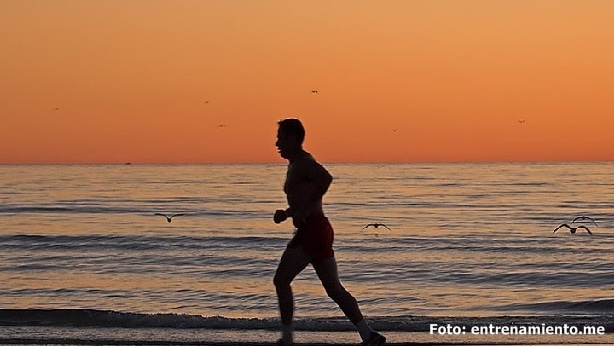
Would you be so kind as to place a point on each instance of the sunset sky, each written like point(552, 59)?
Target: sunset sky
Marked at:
point(205, 81)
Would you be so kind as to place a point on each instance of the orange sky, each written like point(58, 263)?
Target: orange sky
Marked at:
point(413, 81)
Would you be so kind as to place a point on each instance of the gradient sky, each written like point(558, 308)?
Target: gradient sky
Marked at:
point(148, 81)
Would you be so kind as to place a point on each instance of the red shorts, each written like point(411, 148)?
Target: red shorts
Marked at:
point(315, 236)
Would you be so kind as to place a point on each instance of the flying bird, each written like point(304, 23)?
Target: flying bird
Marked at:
point(375, 225)
point(314, 91)
point(572, 230)
point(169, 218)
point(582, 218)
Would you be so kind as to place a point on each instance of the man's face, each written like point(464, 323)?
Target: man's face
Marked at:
point(286, 144)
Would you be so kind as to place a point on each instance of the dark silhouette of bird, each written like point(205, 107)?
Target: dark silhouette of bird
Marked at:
point(169, 218)
point(375, 225)
point(521, 121)
point(582, 218)
point(572, 230)
point(314, 91)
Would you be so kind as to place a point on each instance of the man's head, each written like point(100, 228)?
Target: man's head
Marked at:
point(290, 137)
point(292, 126)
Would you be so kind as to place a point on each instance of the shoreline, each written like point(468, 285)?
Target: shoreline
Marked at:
point(241, 337)
point(82, 342)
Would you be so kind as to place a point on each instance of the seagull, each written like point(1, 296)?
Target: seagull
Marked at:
point(314, 91)
point(572, 230)
point(375, 225)
point(169, 218)
point(581, 218)
point(521, 121)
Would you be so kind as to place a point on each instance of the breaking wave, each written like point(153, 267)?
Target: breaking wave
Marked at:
point(407, 323)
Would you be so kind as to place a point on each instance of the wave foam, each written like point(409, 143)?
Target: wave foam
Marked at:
point(408, 323)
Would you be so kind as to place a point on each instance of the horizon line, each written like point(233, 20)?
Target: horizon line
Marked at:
point(153, 163)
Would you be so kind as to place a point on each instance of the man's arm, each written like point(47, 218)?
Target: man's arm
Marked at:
point(317, 180)
point(321, 180)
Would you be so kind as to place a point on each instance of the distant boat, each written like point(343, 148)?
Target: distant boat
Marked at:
point(127, 163)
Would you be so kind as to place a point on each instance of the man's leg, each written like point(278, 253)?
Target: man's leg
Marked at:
point(327, 272)
point(292, 262)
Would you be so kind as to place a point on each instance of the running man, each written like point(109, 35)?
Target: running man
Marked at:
point(306, 183)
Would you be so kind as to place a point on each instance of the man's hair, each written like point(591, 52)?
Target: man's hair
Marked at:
point(292, 126)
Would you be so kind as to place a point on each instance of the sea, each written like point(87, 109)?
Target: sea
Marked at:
point(469, 255)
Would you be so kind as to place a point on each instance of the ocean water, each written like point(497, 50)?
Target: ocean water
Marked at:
point(82, 253)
